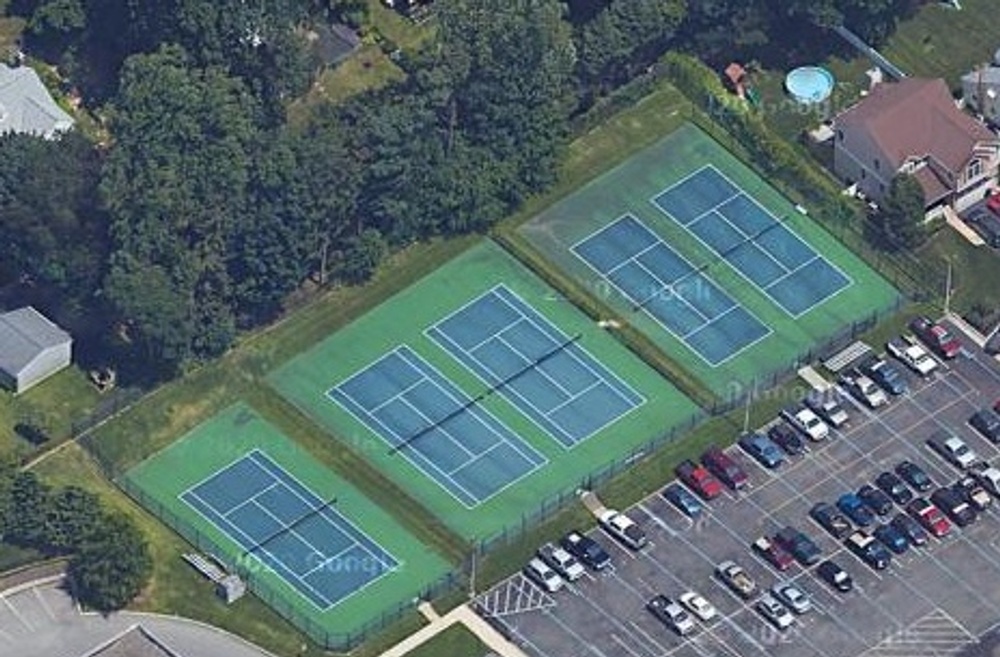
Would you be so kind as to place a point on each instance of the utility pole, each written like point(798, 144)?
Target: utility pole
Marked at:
point(947, 289)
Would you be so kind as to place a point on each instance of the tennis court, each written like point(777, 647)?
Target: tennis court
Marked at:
point(475, 432)
point(762, 249)
point(305, 540)
point(428, 420)
point(287, 527)
point(660, 282)
point(546, 374)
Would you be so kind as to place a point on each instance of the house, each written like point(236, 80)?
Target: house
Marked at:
point(333, 43)
point(26, 105)
point(914, 126)
point(32, 349)
point(981, 92)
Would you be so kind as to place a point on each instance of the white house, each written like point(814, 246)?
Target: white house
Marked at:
point(32, 349)
point(913, 126)
point(26, 105)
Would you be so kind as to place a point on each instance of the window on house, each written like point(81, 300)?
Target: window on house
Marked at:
point(864, 174)
point(876, 164)
point(975, 169)
point(840, 135)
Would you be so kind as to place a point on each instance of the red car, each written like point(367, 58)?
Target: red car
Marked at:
point(773, 553)
point(993, 204)
point(930, 517)
point(725, 468)
point(936, 336)
point(698, 479)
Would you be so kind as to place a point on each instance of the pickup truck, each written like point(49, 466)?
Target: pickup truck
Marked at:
point(869, 549)
point(953, 449)
point(737, 579)
point(561, 561)
point(908, 350)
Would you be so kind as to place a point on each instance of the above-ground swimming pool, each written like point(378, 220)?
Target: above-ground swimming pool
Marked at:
point(809, 84)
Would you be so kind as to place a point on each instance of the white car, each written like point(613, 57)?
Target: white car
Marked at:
point(989, 477)
point(774, 612)
point(806, 421)
point(698, 605)
point(954, 450)
point(561, 561)
point(865, 390)
point(540, 573)
point(671, 614)
point(623, 528)
point(792, 597)
point(912, 354)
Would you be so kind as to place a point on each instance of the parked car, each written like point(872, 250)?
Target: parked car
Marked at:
point(737, 579)
point(698, 605)
point(805, 551)
point(826, 404)
point(586, 549)
point(787, 438)
point(988, 477)
point(854, 508)
point(832, 520)
point(805, 420)
point(893, 486)
point(773, 553)
point(540, 573)
point(936, 336)
point(792, 597)
point(930, 517)
point(623, 528)
point(988, 227)
point(911, 353)
point(831, 573)
point(725, 468)
point(876, 499)
point(762, 449)
point(954, 505)
point(560, 560)
point(987, 422)
point(884, 375)
point(953, 449)
point(914, 475)
point(973, 492)
point(671, 614)
point(864, 389)
point(892, 538)
point(683, 499)
point(699, 479)
point(993, 203)
point(774, 612)
point(867, 548)
point(910, 528)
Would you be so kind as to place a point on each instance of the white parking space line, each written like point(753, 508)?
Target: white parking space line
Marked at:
point(16, 613)
point(43, 603)
point(587, 643)
point(623, 645)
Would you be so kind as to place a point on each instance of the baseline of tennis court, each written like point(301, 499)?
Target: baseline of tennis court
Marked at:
point(443, 432)
point(756, 244)
point(546, 374)
point(288, 528)
point(681, 299)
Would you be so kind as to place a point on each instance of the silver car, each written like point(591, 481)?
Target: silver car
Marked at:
point(792, 597)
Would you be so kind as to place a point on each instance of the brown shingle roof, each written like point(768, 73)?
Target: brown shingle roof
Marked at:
point(916, 117)
point(934, 188)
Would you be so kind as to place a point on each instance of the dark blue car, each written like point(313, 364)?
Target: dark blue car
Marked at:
point(892, 538)
point(885, 375)
point(683, 499)
point(854, 508)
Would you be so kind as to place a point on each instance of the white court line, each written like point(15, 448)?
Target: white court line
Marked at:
point(249, 500)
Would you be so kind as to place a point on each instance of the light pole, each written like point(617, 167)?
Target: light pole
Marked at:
point(947, 288)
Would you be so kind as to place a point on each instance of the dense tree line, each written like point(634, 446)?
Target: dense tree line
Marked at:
point(110, 561)
point(206, 209)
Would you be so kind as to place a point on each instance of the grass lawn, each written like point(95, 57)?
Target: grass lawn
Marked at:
point(397, 28)
point(10, 31)
point(456, 641)
point(52, 405)
point(973, 267)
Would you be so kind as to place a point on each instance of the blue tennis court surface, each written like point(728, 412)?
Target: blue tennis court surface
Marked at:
point(287, 527)
point(531, 363)
point(763, 250)
point(654, 277)
point(444, 433)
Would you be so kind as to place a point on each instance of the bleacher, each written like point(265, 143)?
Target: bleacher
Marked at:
point(846, 356)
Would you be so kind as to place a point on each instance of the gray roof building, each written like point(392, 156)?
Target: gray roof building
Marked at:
point(26, 105)
point(32, 348)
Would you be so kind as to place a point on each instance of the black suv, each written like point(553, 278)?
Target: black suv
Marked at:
point(587, 550)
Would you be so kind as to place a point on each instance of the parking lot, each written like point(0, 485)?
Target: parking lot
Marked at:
point(933, 600)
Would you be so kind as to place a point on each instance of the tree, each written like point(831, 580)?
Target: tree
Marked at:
point(363, 255)
point(899, 221)
point(29, 501)
point(71, 515)
point(113, 564)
